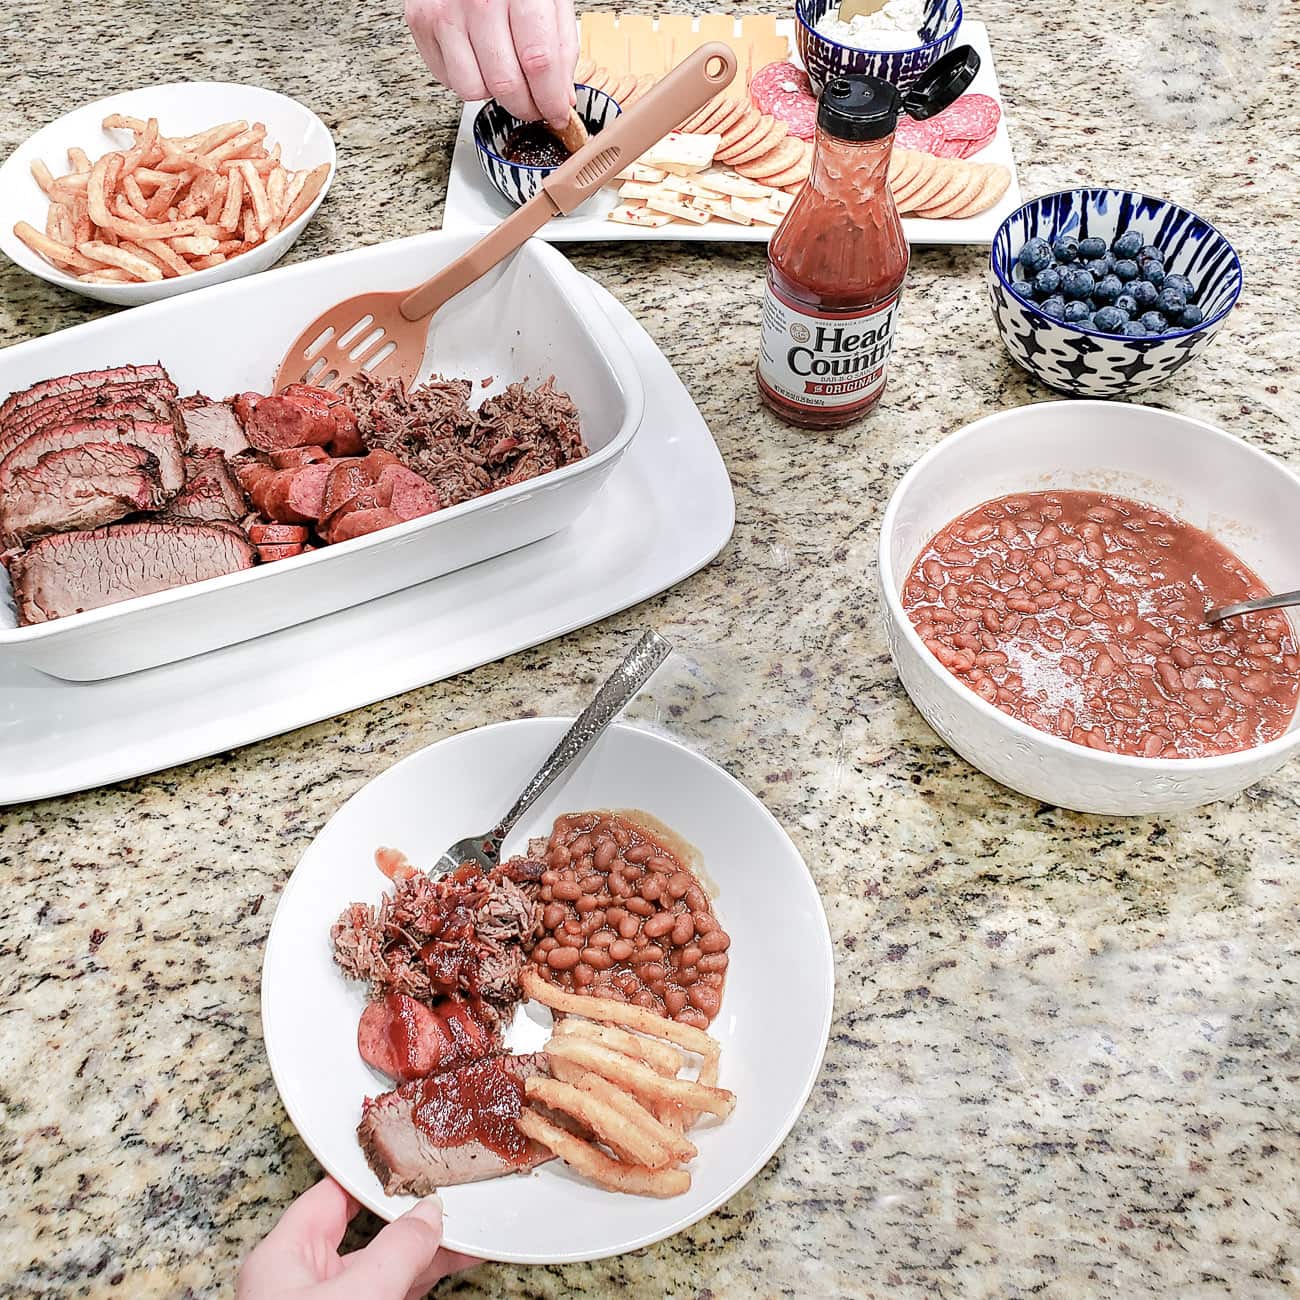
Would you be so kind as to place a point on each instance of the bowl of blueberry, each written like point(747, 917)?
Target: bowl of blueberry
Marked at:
point(1107, 293)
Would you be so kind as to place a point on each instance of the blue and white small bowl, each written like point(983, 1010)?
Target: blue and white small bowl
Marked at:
point(826, 59)
point(493, 127)
point(1086, 362)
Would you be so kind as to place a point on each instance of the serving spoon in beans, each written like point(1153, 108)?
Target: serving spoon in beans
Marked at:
point(625, 681)
point(1280, 601)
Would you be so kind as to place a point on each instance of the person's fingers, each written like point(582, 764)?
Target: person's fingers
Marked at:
point(402, 1260)
point(463, 73)
point(299, 1250)
point(489, 34)
point(567, 27)
point(437, 26)
point(320, 1214)
point(537, 47)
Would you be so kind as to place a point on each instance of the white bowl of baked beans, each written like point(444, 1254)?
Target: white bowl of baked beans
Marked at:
point(1044, 574)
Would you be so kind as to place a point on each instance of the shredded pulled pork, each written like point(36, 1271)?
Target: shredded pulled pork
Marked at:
point(431, 938)
point(464, 453)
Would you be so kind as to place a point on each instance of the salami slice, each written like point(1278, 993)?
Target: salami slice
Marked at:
point(784, 92)
point(974, 146)
point(971, 118)
point(926, 136)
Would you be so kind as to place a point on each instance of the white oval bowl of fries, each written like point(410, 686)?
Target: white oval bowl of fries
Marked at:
point(755, 1070)
point(164, 189)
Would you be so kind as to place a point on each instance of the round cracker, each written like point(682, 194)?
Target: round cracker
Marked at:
point(795, 175)
point(902, 167)
point(698, 123)
point(932, 180)
point(995, 186)
point(745, 125)
point(599, 79)
point(643, 84)
point(582, 70)
point(773, 137)
point(624, 88)
point(780, 159)
point(958, 182)
point(726, 152)
point(730, 112)
point(951, 201)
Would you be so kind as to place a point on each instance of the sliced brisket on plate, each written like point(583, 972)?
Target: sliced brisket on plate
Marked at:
point(212, 424)
point(211, 490)
point(159, 439)
point(429, 1133)
point(70, 572)
point(82, 486)
point(130, 402)
point(151, 376)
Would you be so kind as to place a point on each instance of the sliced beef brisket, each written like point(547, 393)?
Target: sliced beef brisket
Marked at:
point(213, 425)
point(159, 439)
point(150, 376)
point(70, 572)
point(211, 490)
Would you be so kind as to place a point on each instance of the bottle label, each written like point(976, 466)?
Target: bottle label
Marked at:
point(830, 359)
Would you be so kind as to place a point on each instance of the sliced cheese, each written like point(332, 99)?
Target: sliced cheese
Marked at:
point(630, 216)
point(638, 190)
point(727, 183)
point(640, 172)
point(682, 154)
point(759, 212)
point(669, 204)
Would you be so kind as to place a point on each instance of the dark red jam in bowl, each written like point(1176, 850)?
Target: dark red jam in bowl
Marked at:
point(1082, 614)
point(532, 145)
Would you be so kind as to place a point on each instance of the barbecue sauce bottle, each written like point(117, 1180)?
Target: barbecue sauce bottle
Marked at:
point(837, 262)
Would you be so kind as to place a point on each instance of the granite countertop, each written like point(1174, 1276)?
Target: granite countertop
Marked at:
point(1064, 1055)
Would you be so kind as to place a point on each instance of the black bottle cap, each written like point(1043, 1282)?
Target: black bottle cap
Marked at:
point(856, 107)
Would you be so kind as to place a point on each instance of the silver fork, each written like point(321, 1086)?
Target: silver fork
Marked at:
point(625, 681)
point(1280, 601)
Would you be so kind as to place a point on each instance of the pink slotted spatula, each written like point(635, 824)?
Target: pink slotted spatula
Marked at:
point(387, 333)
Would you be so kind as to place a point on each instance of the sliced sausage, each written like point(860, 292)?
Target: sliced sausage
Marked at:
point(276, 534)
point(297, 457)
point(282, 551)
point(357, 523)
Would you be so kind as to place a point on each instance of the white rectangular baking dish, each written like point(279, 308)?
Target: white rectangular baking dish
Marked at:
point(530, 318)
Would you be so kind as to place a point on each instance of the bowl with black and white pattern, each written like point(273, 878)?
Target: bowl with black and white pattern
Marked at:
point(826, 59)
point(1087, 362)
point(493, 127)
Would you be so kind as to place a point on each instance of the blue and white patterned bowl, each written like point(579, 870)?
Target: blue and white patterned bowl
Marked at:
point(826, 59)
point(493, 126)
point(1087, 363)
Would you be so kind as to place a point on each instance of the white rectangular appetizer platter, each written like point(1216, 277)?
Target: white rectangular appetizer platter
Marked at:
point(666, 511)
point(472, 203)
point(232, 337)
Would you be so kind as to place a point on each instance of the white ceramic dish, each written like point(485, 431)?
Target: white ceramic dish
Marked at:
point(1196, 472)
point(473, 204)
point(182, 108)
point(776, 1007)
point(480, 333)
point(666, 511)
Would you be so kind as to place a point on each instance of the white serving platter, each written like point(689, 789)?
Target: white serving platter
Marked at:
point(182, 108)
point(772, 1026)
point(472, 203)
point(665, 512)
point(480, 334)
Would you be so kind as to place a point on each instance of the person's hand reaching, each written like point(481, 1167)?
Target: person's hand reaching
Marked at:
point(300, 1260)
point(519, 52)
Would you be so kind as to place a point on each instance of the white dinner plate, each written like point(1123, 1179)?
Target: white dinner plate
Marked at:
point(182, 108)
point(473, 204)
point(776, 1006)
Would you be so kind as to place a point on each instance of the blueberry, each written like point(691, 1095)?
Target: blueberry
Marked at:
point(1154, 272)
point(1076, 283)
point(1126, 270)
point(1066, 248)
point(1053, 307)
point(1127, 303)
point(1108, 289)
point(1092, 247)
point(1129, 244)
point(1110, 320)
point(1154, 322)
point(1134, 329)
point(1171, 301)
point(1097, 267)
point(1075, 312)
point(1183, 285)
point(1035, 256)
point(1190, 317)
point(1144, 293)
point(1087, 323)
point(1150, 253)
point(1047, 283)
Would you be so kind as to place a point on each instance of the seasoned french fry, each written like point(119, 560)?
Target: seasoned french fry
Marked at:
point(118, 122)
point(109, 275)
point(257, 195)
point(659, 1056)
point(166, 257)
point(679, 1147)
point(61, 255)
point(311, 187)
point(195, 245)
point(628, 1140)
point(204, 263)
point(275, 192)
point(144, 149)
point(42, 175)
point(134, 196)
point(233, 147)
point(160, 200)
point(252, 234)
point(641, 1079)
point(599, 1167)
point(100, 251)
point(228, 218)
point(78, 160)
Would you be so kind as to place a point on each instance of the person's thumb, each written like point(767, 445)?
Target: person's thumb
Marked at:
point(402, 1260)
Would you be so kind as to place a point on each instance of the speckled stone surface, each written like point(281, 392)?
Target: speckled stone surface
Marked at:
point(1065, 1053)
